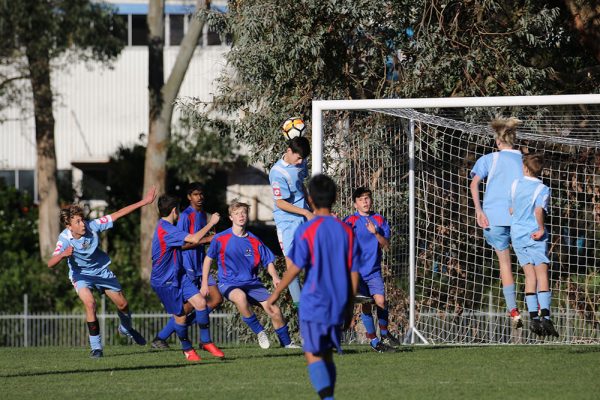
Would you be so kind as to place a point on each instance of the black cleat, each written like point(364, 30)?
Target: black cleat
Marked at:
point(548, 327)
point(132, 334)
point(159, 344)
point(390, 340)
point(536, 327)
point(381, 347)
point(362, 299)
point(96, 353)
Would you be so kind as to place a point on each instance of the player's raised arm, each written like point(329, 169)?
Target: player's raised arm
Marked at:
point(197, 237)
point(149, 198)
point(482, 220)
point(57, 258)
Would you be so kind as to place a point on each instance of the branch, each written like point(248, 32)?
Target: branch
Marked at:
point(6, 82)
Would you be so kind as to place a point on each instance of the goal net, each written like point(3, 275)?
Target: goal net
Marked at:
point(442, 279)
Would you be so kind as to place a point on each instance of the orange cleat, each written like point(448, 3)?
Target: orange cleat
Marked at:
point(212, 349)
point(191, 355)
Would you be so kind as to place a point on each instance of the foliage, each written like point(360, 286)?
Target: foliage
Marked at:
point(378, 49)
point(21, 269)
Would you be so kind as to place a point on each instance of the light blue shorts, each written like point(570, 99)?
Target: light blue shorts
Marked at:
point(285, 233)
point(319, 338)
point(497, 236)
point(100, 283)
point(534, 254)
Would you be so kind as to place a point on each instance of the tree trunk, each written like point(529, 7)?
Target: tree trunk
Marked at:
point(49, 226)
point(161, 98)
point(586, 21)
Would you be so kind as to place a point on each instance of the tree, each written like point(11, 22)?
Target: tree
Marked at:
point(35, 38)
point(161, 101)
point(379, 49)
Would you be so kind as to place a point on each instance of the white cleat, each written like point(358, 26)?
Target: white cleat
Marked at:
point(292, 345)
point(263, 340)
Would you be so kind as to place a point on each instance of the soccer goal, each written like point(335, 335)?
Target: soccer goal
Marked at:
point(442, 279)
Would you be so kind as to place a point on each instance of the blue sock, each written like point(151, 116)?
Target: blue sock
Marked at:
point(96, 342)
point(369, 324)
point(332, 373)
point(532, 302)
point(253, 323)
point(545, 298)
point(182, 334)
point(204, 324)
point(125, 319)
point(167, 330)
point(510, 297)
point(319, 377)
point(283, 334)
point(382, 319)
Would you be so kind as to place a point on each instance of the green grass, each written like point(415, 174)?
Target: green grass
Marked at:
point(128, 372)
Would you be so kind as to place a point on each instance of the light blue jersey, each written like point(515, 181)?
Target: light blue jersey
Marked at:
point(527, 194)
point(87, 259)
point(499, 170)
point(287, 182)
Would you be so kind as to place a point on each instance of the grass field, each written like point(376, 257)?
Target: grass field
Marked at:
point(127, 372)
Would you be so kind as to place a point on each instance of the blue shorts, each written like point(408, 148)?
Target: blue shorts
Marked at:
point(285, 233)
point(96, 282)
point(497, 236)
point(255, 292)
point(198, 279)
point(171, 297)
point(372, 285)
point(534, 254)
point(189, 288)
point(319, 338)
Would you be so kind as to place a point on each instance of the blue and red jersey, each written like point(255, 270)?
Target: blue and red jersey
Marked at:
point(327, 250)
point(370, 250)
point(167, 266)
point(238, 258)
point(191, 221)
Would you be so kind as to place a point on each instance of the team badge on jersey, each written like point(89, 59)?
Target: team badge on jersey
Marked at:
point(85, 245)
point(276, 189)
point(248, 252)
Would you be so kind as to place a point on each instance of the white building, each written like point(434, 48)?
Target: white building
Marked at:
point(98, 109)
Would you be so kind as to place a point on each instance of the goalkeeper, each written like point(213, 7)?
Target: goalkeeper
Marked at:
point(499, 169)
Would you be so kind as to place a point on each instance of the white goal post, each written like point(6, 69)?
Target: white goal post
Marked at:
point(393, 131)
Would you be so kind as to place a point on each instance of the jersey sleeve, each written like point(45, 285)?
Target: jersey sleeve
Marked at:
point(183, 223)
point(101, 224)
point(266, 255)
point(481, 167)
point(300, 252)
point(385, 229)
point(543, 198)
point(279, 185)
point(213, 249)
point(355, 254)
point(61, 245)
point(175, 237)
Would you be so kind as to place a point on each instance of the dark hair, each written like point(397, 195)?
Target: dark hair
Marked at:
point(66, 214)
point(195, 186)
point(166, 203)
point(358, 192)
point(300, 145)
point(322, 190)
point(534, 163)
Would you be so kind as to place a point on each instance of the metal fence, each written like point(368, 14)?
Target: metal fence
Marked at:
point(69, 329)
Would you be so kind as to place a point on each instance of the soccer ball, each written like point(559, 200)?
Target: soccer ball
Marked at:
point(293, 127)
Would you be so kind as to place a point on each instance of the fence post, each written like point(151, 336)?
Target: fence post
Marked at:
point(25, 321)
point(103, 319)
point(567, 319)
point(490, 317)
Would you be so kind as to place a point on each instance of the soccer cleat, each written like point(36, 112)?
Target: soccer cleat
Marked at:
point(212, 349)
point(381, 347)
point(536, 327)
point(548, 327)
point(390, 340)
point(159, 344)
point(516, 320)
point(132, 334)
point(292, 345)
point(96, 353)
point(263, 340)
point(191, 355)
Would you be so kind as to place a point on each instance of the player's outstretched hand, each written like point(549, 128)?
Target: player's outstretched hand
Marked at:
point(214, 219)
point(150, 196)
point(537, 235)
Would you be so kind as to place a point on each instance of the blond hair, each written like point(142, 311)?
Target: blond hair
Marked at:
point(505, 129)
point(235, 204)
